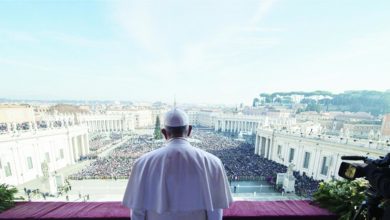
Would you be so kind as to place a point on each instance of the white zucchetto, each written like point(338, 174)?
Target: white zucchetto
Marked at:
point(176, 118)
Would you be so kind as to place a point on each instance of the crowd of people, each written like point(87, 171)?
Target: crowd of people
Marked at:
point(305, 186)
point(99, 142)
point(238, 158)
point(118, 164)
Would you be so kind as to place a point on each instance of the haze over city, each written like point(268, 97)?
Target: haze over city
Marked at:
point(196, 109)
point(202, 52)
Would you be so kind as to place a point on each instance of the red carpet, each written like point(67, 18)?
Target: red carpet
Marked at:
point(114, 210)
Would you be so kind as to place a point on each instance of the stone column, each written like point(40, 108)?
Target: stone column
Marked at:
point(262, 148)
point(70, 150)
point(75, 149)
point(268, 152)
point(86, 143)
point(257, 145)
point(8, 127)
point(14, 129)
point(126, 124)
point(80, 139)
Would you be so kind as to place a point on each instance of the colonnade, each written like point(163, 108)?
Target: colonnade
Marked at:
point(236, 125)
point(107, 122)
point(79, 146)
point(263, 146)
point(106, 125)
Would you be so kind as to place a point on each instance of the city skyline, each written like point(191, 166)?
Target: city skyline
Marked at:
point(198, 51)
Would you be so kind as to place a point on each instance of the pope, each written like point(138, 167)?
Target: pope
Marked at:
point(177, 181)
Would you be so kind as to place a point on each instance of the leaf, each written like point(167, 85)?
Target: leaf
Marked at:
point(7, 196)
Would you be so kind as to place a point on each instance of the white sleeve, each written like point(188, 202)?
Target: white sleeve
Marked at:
point(215, 215)
point(138, 214)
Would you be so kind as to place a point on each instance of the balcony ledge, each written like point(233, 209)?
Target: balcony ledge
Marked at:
point(291, 209)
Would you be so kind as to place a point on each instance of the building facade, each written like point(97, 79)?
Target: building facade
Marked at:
point(319, 156)
point(26, 155)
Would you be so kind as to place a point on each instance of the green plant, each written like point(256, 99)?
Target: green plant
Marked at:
point(341, 196)
point(7, 196)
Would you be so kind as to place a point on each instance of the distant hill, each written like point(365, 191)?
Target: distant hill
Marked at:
point(374, 102)
point(64, 108)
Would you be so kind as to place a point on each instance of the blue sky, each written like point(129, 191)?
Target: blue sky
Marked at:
point(202, 51)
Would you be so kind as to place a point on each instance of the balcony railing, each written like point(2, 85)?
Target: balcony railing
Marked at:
point(291, 209)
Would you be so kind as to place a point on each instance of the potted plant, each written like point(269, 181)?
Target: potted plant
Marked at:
point(341, 197)
point(7, 196)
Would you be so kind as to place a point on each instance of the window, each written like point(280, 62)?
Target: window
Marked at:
point(47, 157)
point(62, 153)
point(325, 166)
point(279, 149)
point(291, 157)
point(306, 160)
point(29, 163)
point(8, 171)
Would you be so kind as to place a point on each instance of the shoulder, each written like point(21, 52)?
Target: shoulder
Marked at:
point(149, 156)
point(211, 158)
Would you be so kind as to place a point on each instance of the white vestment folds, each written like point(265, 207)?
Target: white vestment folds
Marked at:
point(178, 178)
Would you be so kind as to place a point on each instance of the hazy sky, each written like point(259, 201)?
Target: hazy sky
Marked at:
point(203, 51)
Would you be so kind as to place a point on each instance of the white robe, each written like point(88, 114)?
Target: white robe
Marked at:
point(178, 179)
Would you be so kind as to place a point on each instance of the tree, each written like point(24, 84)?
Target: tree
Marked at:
point(157, 129)
point(256, 102)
